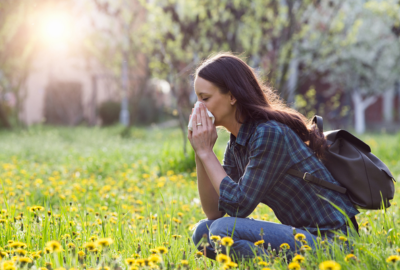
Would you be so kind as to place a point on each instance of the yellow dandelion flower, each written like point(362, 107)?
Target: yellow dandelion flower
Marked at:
point(93, 238)
point(104, 242)
point(215, 238)
point(71, 245)
point(24, 260)
point(294, 266)
point(184, 262)
point(266, 268)
point(140, 262)
point(227, 241)
point(155, 258)
point(17, 244)
point(176, 236)
point(81, 253)
point(257, 259)
point(262, 263)
point(20, 252)
point(199, 254)
point(36, 256)
point(298, 259)
point(306, 248)
point(259, 243)
point(130, 261)
point(393, 258)
point(162, 250)
point(8, 265)
point(342, 238)
point(284, 246)
point(350, 257)
point(133, 268)
point(329, 265)
point(153, 251)
point(299, 237)
point(222, 258)
point(229, 265)
point(90, 246)
point(54, 246)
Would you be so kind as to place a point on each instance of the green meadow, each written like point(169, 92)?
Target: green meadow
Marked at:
point(95, 199)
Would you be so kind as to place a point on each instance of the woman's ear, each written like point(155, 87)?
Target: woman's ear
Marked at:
point(232, 99)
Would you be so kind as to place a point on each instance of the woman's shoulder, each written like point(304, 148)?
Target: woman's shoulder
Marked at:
point(270, 126)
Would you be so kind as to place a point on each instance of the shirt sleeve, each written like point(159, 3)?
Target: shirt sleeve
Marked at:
point(229, 164)
point(268, 160)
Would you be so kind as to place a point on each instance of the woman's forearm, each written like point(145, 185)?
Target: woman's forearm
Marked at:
point(208, 196)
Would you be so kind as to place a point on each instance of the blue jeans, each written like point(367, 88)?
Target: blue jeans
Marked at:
point(246, 233)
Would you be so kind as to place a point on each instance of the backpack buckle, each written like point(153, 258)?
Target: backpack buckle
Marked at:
point(305, 175)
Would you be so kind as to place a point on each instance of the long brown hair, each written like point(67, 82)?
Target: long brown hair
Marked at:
point(257, 101)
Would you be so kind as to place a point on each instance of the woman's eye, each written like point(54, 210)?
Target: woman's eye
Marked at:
point(205, 99)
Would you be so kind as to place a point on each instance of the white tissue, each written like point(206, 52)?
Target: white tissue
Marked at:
point(196, 105)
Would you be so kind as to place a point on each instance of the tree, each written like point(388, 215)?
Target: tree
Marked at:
point(16, 52)
point(360, 52)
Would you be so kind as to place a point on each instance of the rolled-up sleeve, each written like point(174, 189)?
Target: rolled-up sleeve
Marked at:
point(229, 164)
point(268, 160)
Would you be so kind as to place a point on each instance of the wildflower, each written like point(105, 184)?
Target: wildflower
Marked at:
point(162, 250)
point(222, 258)
point(215, 238)
point(104, 242)
point(298, 259)
point(81, 253)
point(90, 246)
point(140, 262)
point(350, 257)
point(342, 238)
point(262, 263)
point(284, 246)
point(329, 265)
point(24, 260)
point(153, 251)
point(184, 262)
point(299, 237)
point(229, 265)
point(93, 238)
point(305, 248)
point(257, 259)
point(20, 252)
point(71, 245)
point(36, 256)
point(227, 241)
point(54, 246)
point(393, 258)
point(17, 244)
point(199, 254)
point(130, 261)
point(8, 265)
point(176, 236)
point(155, 258)
point(259, 243)
point(294, 266)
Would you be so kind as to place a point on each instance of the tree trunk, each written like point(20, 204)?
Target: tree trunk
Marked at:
point(360, 105)
point(388, 99)
point(3, 118)
point(292, 81)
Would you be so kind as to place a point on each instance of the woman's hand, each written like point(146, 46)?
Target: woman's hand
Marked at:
point(203, 137)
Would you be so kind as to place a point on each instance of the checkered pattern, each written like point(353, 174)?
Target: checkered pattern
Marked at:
point(256, 163)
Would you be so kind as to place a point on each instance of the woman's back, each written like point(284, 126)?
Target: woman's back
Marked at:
point(258, 160)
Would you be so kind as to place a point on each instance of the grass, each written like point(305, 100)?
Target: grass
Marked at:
point(140, 192)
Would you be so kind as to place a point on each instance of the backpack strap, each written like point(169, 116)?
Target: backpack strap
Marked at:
point(310, 178)
point(320, 123)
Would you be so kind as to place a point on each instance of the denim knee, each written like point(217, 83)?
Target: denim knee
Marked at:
point(199, 230)
point(221, 226)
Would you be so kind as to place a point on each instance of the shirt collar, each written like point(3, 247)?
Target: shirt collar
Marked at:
point(245, 131)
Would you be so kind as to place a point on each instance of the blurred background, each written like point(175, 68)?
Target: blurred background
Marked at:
point(131, 62)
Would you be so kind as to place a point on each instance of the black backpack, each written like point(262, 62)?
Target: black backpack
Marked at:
point(363, 177)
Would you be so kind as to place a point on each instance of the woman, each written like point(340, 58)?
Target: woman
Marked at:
point(267, 138)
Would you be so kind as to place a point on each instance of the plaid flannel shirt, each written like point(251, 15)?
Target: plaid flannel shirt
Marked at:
point(256, 163)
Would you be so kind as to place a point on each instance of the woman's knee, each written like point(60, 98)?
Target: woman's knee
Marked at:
point(200, 229)
point(222, 226)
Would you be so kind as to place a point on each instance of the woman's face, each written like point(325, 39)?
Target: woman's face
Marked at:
point(220, 105)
